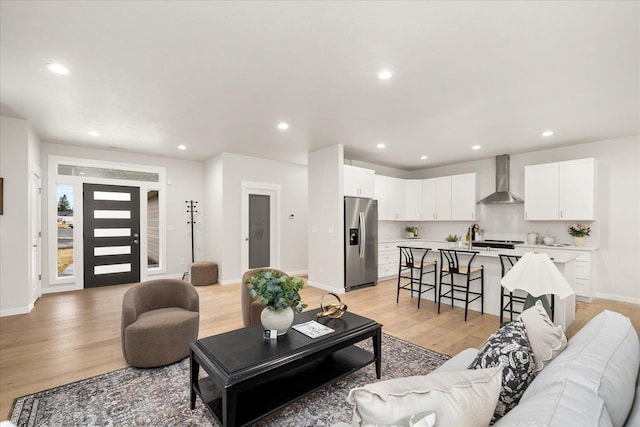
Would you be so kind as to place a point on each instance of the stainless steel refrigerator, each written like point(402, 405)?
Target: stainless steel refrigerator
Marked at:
point(360, 242)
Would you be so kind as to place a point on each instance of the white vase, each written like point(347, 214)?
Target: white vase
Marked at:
point(579, 241)
point(280, 320)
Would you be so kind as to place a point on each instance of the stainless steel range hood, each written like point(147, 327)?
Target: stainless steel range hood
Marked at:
point(502, 194)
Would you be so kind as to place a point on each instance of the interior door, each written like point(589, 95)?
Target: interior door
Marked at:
point(35, 233)
point(111, 235)
point(259, 230)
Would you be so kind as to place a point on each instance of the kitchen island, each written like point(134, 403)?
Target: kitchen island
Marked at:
point(565, 261)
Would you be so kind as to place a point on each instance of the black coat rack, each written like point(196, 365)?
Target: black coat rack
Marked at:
point(191, 209)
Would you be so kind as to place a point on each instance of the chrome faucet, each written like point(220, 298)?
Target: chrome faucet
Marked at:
point(471, 232)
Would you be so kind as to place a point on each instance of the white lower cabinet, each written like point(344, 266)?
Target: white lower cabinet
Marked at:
point(388, 259)
point(584, 276)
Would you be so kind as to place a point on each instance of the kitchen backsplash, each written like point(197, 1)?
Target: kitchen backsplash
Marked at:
point(503, 222)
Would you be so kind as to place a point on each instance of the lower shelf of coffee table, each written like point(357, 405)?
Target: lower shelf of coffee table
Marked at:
point(276, 392)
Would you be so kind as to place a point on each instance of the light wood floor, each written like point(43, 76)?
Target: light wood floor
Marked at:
point(75, 335)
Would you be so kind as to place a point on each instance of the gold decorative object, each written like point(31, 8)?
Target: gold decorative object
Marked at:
point(333, 310)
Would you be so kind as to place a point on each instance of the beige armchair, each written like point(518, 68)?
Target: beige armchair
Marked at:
point(160, 318)
point(251, 308)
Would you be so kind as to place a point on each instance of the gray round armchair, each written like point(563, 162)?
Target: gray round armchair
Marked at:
point(160, 318)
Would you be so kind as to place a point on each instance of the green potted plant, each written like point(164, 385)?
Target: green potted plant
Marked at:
point(452, 239)
point(579, 233)
point(411, 231)
point(280, 295)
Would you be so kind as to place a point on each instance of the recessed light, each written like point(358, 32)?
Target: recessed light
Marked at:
point(476, 147)
point(385, 74)
point(381, 145)
point(94, 133)
point(283, 126)
point(58, 69)
point(182, 147)
point(547, 133)
point(424, 157)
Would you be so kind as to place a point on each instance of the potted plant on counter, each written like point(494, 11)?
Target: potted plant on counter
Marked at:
point(411, 231)
point(452, 239)
point(579, 233)
point(280, 294)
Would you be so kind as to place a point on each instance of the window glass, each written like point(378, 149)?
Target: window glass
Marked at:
point(96, 172)
point(153, 229)
point(65, 229)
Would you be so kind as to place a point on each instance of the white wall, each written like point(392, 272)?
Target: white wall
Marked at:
point(186, 184)
point(214, 216)
point(227, 171)
point(19, 152)
point(616, 230)
point(326, 219)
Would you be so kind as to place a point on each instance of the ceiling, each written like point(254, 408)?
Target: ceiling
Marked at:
point(219, 76)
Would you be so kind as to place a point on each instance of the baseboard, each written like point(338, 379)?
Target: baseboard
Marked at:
point(326, 287)
point(60, 288)
point(16, 311)
point(298, 273)
point(620, 298)
point(235, 281)
point(164, 276)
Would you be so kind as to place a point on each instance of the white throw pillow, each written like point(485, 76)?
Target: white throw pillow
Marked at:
point(458, 398)
point(546, 340)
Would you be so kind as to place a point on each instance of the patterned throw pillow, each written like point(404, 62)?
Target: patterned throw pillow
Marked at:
point(510, 347)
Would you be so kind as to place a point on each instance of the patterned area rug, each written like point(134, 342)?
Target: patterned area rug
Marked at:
point(160, 397)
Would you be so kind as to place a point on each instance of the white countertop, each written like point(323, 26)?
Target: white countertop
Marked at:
point(568, 248)
point(563, 255)
point(524, 245)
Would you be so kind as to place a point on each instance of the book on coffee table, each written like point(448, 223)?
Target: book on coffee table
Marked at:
point(313, 329)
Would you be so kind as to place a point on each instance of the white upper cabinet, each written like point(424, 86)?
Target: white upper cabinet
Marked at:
point(577, 190)
point(390, 193)
point(436, 199)
point(429, 199)
point(413, 200)
point(358, 182)
point(443, 198)
point(380, 194)
point(541, 191)
point(463, 197)
point(447, 198)
point(396, 190)
point(560, 191)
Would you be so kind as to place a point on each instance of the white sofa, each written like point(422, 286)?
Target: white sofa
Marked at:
point(593, 382)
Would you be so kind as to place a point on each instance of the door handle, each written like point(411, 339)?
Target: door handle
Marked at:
point(363, 234)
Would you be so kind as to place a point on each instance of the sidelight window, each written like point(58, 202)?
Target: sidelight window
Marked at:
point(153, 229)
point(64, 225)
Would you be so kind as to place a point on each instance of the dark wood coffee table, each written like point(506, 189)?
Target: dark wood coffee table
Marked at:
point(249, 378)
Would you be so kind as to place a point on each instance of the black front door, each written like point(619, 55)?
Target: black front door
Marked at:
point(111, 235)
